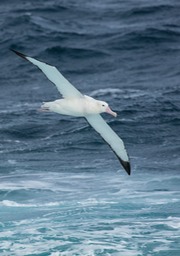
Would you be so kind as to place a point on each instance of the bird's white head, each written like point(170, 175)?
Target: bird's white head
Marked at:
point(104, 108)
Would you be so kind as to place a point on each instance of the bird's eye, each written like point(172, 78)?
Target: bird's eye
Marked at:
point(103, 105)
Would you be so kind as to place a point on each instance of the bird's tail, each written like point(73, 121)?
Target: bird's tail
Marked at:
point(45, 107)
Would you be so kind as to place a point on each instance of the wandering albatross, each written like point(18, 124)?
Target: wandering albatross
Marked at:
point(74, 103)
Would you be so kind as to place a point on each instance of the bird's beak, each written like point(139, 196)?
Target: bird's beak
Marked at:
point(109, 111)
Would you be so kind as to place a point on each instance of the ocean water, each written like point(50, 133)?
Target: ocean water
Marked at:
point(62, 190)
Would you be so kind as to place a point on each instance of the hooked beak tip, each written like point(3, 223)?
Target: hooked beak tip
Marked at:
point(109, 111)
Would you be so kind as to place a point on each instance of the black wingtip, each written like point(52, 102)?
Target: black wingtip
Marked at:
point(126, 166)
point(19, 54)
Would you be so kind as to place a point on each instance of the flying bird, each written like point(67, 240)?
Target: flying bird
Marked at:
point(74, 103)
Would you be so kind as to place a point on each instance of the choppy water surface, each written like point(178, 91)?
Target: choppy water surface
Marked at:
point(62, 191)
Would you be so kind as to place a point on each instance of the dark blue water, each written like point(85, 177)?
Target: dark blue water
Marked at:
point(62, 191)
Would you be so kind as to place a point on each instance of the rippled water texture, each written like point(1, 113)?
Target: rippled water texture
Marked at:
point(62, 190)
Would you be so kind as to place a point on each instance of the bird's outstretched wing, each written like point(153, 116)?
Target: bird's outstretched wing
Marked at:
point(63, 85)
point(113, 140)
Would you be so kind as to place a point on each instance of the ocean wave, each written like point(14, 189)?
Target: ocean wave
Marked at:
point(149, 9)
point(10, 203)
point(119, 93)
point(156, 35)
point(140, 38)
point(19, 108)
point(94, 202)
point(76, 52)
point(173, 222)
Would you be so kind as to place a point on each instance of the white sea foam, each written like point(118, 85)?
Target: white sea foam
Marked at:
point(12, 161)
point(23, 184)
point(161, 201)
point(19, 107)
point(105, 91)
point(94, 202)
point(7, 233)
point(55, 254)
point(115, 92)
point(89, 240)
point(173, 222)
point(9, 203)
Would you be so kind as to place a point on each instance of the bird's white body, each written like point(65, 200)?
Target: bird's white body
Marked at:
point(71, 107)
point(79, 107)
point(74, 103)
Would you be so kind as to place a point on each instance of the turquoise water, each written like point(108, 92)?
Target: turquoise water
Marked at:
point(68, 214)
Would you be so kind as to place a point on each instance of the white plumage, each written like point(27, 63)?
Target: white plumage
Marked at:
point(74, 103)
